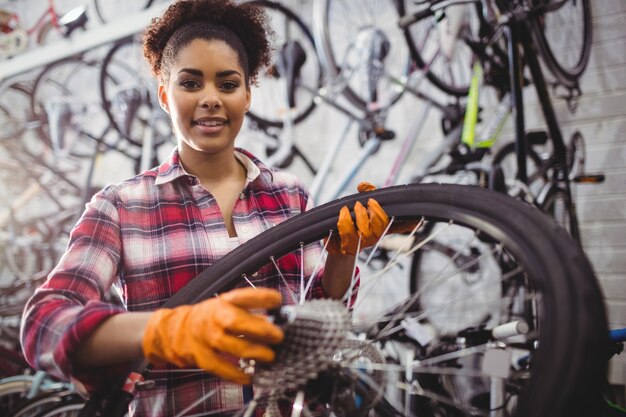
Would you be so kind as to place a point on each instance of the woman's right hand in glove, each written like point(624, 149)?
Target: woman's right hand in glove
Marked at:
point(194, 335)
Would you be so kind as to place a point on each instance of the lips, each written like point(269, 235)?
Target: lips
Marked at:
point(210, 125)
point(210, 121)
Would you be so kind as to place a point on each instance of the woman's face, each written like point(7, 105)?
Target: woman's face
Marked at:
point(206, 97)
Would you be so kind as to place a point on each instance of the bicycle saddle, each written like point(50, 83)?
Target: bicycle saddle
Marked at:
point(290, 60)
point(74, 19)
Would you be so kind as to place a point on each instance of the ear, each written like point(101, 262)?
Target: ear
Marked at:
point(163, 98)
point(248, 99)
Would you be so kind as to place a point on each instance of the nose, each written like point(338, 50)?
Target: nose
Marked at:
point(210, 99)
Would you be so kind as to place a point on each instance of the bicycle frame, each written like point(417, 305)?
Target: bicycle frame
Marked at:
point(373, 122)
point(519, 36)
point(50, 11)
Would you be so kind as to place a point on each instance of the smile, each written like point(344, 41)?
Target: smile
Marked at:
point(210, 123)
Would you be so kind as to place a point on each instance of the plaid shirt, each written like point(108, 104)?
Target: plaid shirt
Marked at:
point(149, 236)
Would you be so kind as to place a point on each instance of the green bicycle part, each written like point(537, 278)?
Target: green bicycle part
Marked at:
point(468, 135)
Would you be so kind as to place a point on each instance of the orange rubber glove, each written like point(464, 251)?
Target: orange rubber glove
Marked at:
point(370, 224)
point(194, 335)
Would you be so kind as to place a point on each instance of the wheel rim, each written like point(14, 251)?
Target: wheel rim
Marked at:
point(363, 50)
point(448, 59)
point(527, 294)
point(565, 34)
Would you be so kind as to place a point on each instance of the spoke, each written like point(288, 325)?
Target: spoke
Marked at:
point(454, 258)
point(347, 298)
point(317, 268)
point(398, 316)
point(398, 258)
point(370, 382)
point(461, 353)
point(403, 314)
point(195, 403)
point(416, 295)
point(291, 292)
point(301, 268)
point(369, 258)
point(248, 281)
point(430, 370)
point(414, 388)
point(417, 390)
point(247, 412)
point(298, 405)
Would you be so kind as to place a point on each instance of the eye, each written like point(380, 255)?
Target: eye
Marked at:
point(189, 84)
point(229, 85)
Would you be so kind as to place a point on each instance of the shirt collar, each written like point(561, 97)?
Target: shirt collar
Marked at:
point(171, 168)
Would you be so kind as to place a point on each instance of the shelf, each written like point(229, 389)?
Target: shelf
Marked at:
point(79, 42)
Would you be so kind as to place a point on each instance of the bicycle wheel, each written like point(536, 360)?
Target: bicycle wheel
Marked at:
point(129, 97)
point(14, 116)
point(66, 106)
point(553, 369)
point(563, 35)
point(439, 45)
point(287, 87)
point(43, 403)
point(70, 409)
point(108, 10)
point(362, 49)
point(12, 390)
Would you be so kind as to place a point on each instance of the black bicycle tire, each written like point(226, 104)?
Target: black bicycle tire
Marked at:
point(528, 222)
point(291, 15)
point(571, 363)
point(99, 9)
point(421, 63)
point(567, 76)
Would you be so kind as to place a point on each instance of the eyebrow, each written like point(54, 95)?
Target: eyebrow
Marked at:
point(219, 74)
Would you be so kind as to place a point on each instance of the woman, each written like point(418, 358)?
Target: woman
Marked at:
point(153, 233)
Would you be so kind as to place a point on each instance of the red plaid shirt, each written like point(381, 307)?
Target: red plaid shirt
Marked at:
point(149, 236)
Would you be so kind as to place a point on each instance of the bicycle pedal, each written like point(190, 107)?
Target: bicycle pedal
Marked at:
point(589, 178)
point(384, 134)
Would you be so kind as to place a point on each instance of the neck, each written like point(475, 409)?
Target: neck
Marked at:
point(212, 168)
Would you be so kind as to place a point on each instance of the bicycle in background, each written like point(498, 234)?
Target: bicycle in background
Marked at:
point(51, 24)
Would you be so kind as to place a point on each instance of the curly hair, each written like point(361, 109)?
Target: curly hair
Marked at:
point(242, 26)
